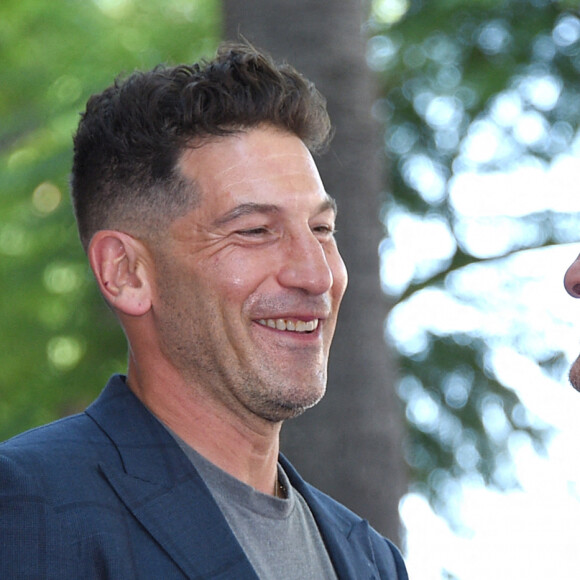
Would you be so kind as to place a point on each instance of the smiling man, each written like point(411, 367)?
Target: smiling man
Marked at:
point(211, 237)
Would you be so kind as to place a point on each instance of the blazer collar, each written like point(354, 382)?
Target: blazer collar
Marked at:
point(162, 490)
point(346, 536)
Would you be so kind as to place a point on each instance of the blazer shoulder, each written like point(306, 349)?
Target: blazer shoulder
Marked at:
point(48, 441)
point(53, 460)
point(77, 437)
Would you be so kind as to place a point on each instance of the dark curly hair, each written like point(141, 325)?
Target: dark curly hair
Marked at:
point(130, 138)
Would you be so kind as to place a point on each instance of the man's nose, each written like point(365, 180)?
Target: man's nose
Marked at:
point(305, 265)
point(572, 279)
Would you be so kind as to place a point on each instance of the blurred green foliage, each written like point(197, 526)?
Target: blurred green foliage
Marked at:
point(58, 341)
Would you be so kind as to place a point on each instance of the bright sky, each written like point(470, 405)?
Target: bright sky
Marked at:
point(532, 533)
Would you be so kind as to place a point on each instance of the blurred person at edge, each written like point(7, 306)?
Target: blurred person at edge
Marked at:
point(572, 285)
point(211, 237)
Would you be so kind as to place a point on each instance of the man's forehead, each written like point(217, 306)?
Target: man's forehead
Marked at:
point(263, 170)
point(231, 155)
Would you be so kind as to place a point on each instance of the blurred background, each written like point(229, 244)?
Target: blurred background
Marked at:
point(449, 421)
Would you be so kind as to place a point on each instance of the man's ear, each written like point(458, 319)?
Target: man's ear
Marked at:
point(122, 266)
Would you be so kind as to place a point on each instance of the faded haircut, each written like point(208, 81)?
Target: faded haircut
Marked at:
point(131, 137)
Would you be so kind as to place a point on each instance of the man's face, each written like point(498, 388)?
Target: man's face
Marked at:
point(250, 281)
point(572, 285)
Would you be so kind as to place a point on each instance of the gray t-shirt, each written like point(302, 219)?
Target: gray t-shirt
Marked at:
point(279, 536)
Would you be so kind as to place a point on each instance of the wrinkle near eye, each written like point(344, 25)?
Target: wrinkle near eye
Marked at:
point(197, 241)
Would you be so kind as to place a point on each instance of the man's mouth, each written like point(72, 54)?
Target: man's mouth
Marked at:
point(290, 325)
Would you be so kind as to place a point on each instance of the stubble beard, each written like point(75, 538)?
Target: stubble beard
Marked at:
point(278, 402)
point(257, 383)
point(262, 389)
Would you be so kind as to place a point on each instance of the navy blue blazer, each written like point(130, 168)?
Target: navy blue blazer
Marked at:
point(108, 494)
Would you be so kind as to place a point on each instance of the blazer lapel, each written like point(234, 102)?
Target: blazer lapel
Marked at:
point(346, 539)
point(162, 490)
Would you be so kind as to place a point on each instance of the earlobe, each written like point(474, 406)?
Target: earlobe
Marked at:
point(119, 263)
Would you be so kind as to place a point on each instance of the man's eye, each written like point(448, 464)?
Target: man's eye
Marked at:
point(325, 230)
point(253, 231)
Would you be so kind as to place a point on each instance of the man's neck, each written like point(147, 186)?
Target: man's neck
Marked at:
point(245, 447)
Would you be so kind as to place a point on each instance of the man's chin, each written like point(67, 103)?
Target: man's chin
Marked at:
point(284, 407)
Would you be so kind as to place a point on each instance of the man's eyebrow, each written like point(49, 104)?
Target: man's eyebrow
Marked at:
point(246, 209)
point(328, 203)
point(266, 208)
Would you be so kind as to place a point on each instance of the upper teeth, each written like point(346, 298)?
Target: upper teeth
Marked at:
point(293, 326)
